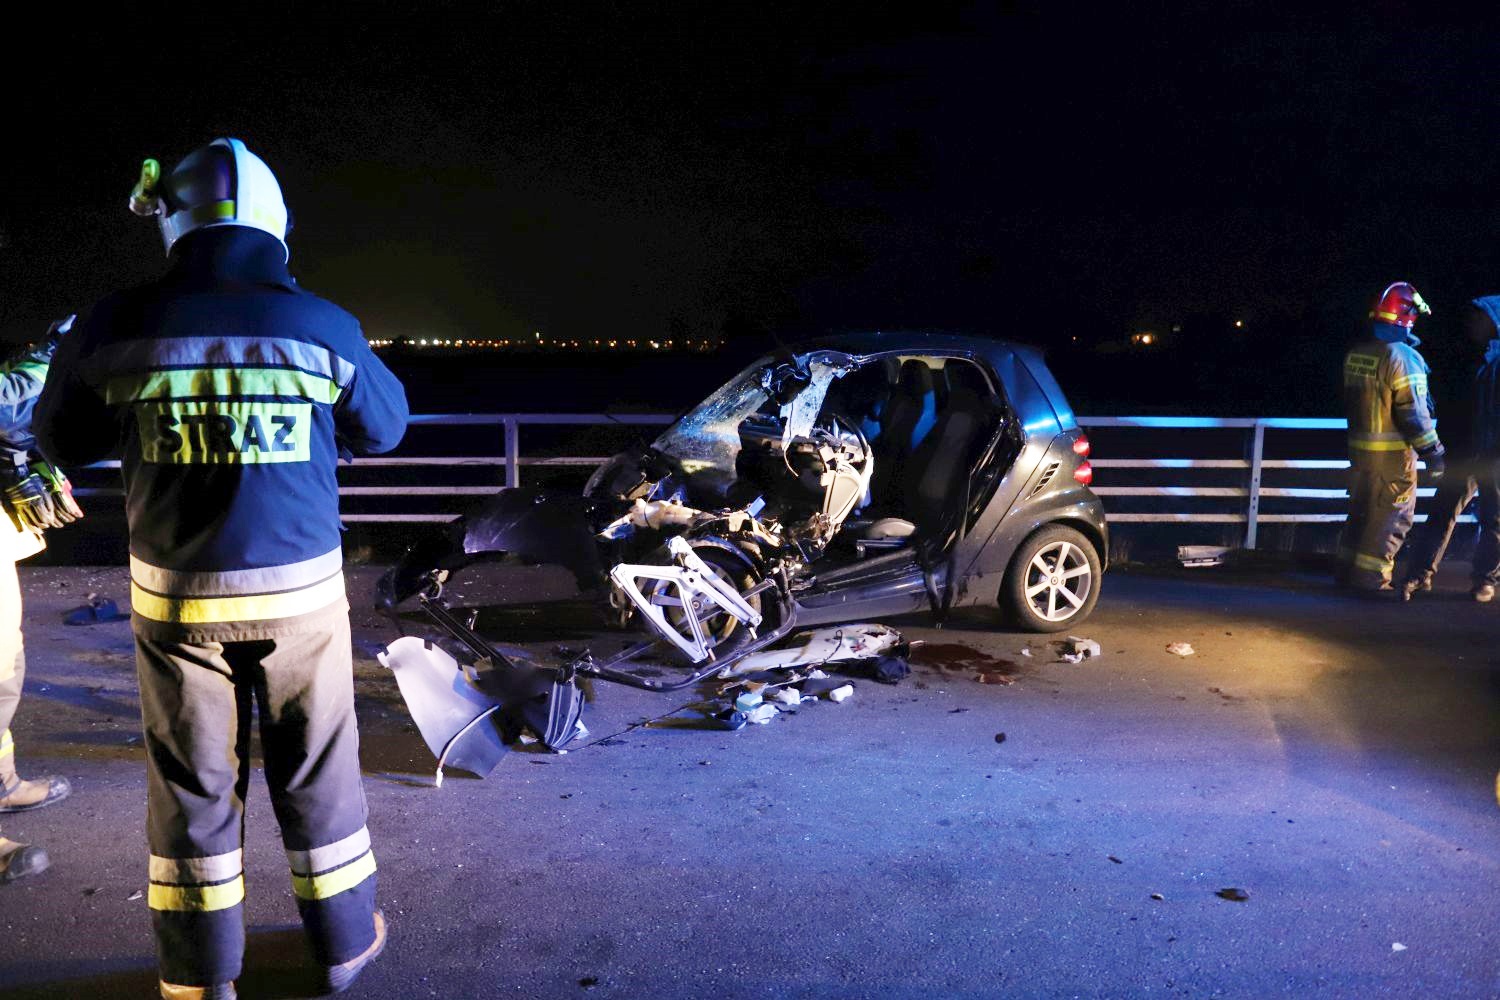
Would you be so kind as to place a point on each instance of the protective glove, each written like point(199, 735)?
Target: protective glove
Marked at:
point(41, 501)
point(1436, 466)
point(59, 327)
point(31, 503)
point(61, 491)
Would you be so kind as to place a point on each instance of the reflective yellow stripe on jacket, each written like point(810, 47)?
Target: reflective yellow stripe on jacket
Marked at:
point(1377, 441)
point(264, 594)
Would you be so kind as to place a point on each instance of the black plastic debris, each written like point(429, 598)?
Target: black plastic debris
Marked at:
point(1233, 895)
point(98, 610)
point(731, 718)
point(889, 669)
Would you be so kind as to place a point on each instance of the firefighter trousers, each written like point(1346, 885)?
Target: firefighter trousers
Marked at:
point(1470, 480)
point(197, 701)
point(1382, 506)
point(12, 669)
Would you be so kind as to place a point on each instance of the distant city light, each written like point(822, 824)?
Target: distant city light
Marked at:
point(538, 343)
point(1239, 324)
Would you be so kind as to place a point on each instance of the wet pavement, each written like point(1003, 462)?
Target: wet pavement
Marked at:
point(1333, 760)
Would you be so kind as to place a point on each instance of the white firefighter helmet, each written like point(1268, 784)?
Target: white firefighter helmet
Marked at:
point(221, 184)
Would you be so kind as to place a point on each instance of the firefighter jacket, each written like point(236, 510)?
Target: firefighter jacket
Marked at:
point(1386, 399)
point(1483, 402)
point(228, 392)
point(21, 378)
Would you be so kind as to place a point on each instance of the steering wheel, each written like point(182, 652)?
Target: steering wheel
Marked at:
point(840, 429)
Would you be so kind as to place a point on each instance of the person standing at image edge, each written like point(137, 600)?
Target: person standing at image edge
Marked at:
point(230, 393)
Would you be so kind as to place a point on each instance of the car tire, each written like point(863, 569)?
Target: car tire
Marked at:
point(1063, 596)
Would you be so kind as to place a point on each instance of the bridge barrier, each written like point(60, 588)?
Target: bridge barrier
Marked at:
point(1250, 471)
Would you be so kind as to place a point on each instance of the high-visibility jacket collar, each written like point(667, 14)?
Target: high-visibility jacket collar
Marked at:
point(237, 253)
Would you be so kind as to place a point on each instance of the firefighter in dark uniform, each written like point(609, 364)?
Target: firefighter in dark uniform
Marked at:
point(1473, 437)
point(230, 393)
point(1391, 424)
point(36, 497)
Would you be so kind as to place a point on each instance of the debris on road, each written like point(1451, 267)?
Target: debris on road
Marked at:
point(1397, 946)
point(839, 694)
point(1026, 652)
point(1075, 649)
point(1158, 897)
point(788, 696)
point(1115, 859)
point(762, 714)
point(1201, 555)
point(842, 644)
point(454, 717)
point(993, 678)
point(999, 737)
point(96, 611)
point(138, 894)
point(1181, 648)
point(730, 719)
point(1233, 895)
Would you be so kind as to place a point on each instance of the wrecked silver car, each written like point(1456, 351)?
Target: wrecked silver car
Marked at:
point(864, 477)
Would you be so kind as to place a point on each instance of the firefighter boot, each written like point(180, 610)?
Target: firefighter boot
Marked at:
point(21, 795)
point(1415, 585)
point(219, 991)
point(1484, 593)
point(20, 860)
point(342, 976)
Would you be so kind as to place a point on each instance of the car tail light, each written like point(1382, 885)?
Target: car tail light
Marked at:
point(1081, 446)
point(1084, 473)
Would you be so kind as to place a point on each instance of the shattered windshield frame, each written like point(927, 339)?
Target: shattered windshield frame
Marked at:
point(708, 437)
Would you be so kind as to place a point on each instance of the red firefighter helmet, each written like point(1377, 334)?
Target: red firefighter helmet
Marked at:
point(1400, 305)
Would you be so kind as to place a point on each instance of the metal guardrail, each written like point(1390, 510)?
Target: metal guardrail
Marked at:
point(1256, 465)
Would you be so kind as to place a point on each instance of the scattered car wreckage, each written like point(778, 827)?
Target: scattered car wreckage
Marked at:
point(868, 476)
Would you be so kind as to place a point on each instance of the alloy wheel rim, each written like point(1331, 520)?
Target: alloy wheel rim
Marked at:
point(1058, 581)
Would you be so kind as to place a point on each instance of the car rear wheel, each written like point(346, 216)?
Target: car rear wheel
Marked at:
point(1053, 582)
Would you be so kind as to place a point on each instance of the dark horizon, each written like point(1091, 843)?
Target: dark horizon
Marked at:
point(746, 173)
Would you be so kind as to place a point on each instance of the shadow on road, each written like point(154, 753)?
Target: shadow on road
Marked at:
point(277, 967)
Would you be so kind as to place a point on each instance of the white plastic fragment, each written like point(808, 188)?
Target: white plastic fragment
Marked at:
point(1076, 649)
point(1201, 555)
point(787, 696)
point(1026, 651)
point(761, 714)
point(1180, 648)
point(837, 644)
point(1397, 946)
point(838, 694)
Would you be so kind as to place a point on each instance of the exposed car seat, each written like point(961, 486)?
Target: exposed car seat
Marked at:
point(934, 476)
point(912, 398)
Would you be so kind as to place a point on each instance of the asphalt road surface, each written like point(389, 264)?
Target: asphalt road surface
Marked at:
point(1333, 760)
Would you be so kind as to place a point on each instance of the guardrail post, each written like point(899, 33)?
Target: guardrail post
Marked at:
point(512, 452)
point(1257, 452)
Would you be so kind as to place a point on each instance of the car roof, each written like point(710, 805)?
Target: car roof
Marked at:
point(998, 353)
point(916, 342)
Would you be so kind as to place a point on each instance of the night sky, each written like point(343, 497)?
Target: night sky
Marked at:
point(591, 169)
